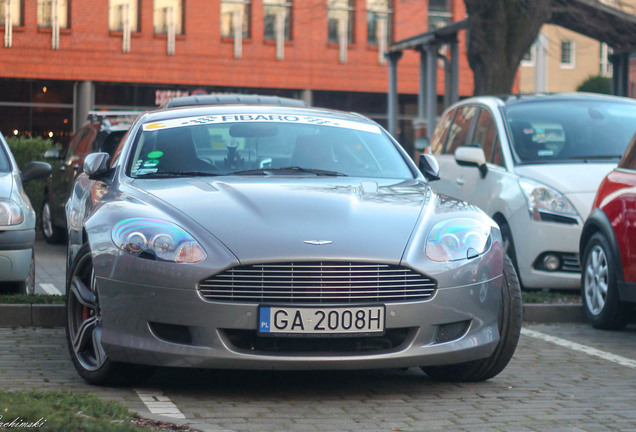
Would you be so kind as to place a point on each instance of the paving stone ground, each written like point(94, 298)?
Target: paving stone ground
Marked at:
point(545, 388)
point(50, 266)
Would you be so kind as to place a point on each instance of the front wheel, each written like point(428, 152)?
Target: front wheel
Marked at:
point(84, 328)
point(28, 285)
point(509, 323)
point(599, 290)
point(52, 233)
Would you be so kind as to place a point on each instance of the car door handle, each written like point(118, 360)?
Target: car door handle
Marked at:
point(460, 181)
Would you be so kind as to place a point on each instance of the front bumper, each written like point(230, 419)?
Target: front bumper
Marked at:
point(532, 239)
point(16, 250)
point(176, 327)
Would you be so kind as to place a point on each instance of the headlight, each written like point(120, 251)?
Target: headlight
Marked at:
point(544, 199)
point(457, 239)
point(157, 239)
point(10, 213)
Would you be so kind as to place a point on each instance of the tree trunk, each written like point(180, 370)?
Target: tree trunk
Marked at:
point(500, 32)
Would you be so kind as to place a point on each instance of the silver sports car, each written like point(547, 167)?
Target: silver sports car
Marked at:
point(271, 237)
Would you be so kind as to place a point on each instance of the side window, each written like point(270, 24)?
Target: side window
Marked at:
point(111, 142)
point(461, 127)
point(487, 138)
point(75, 141)
point(81, 145)
point(629, 159)
point(497, 158)
point(441, 132)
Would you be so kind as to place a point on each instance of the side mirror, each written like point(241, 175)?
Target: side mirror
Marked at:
point(96, 165)
point(34, 171)
point(429, 167)
point(472, 156)
point(52, 153)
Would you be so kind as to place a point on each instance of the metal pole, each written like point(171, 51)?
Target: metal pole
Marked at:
point(454, 84)
point(393, 58)
point(85, 102)
point(421, 97)
point(431, 92)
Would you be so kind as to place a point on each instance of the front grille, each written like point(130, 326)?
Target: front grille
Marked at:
point(248, 340)
point(570, 262)
point(318, 282)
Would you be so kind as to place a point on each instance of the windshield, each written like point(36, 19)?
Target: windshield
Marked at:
point(571, 131)
point(264, 144)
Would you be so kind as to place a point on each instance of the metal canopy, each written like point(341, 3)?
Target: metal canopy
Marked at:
point(597, 21)
point(444, 34)
point(428, 45)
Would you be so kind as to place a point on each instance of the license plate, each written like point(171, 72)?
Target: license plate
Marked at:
point(274, 321)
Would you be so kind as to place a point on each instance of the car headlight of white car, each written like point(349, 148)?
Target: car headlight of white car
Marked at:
point(10, 213)
point(157, 239)
point(544, 199)
point(457, 239)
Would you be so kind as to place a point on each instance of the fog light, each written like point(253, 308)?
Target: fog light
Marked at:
point(551, 262)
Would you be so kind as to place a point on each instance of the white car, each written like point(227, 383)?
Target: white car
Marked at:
point(534, 163)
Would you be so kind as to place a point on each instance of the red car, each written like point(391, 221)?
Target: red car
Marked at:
point(608, 248)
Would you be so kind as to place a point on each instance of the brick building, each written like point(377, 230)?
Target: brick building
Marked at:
point(61, 58)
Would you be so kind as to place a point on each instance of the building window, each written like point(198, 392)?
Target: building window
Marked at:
point(439, 14)
point(168, 16)
point(340, 19)
point(379, 18)
point(606, 63)
point(567, 54)
point(234, 13)
point(122, 13)
point(11, 10)
point(277, 11)
point(51, 10)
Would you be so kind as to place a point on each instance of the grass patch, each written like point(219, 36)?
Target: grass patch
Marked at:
point(31, 299)
point(62, 412)
point(551, 297)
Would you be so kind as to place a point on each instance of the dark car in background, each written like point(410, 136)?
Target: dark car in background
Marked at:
point(608, 248)
point(102, 132)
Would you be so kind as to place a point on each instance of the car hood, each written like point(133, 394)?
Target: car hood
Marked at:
point(305, 218)
point(6, 184)
point(568, 178)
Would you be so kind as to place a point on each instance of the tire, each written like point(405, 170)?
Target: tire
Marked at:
point(509, 247)
point(509, 323)
point(28, 286)
point(52, 233)
point(84, 328)
point(599, 289)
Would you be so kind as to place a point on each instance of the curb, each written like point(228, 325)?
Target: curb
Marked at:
point(52, 315)
point(36, 315)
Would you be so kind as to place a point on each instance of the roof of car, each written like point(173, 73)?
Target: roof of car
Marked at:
point(304, 111)
point(113, 120)
point(510, 99)
point(231, 99)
